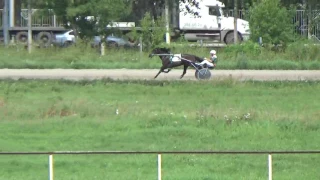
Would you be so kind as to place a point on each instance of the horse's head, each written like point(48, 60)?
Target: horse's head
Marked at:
point(159, 51)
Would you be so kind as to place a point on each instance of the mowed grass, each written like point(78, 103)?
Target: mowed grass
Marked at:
point(85, 57)
point(159, 115)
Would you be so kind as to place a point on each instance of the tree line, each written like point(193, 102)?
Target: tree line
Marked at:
point(269, 19)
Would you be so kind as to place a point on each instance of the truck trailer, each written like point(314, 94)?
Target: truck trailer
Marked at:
point(44, 24)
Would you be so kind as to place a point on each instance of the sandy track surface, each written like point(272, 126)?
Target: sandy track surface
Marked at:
point(148, 74)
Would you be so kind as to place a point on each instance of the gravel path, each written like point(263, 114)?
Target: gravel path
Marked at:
point(148, 74)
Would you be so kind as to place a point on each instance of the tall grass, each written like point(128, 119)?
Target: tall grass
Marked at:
point(249, 55)
point(159, 115)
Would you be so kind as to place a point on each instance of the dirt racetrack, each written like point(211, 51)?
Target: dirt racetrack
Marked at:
point(148, 74)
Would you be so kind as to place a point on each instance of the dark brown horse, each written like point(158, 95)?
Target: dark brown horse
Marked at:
point(170, 60)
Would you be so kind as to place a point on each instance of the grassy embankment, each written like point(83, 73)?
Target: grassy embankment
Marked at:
point(247, 56)
point(158, 115)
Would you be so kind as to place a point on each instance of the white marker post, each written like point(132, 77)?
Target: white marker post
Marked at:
point(270, 166)
point(159, 166)
point(50, 167)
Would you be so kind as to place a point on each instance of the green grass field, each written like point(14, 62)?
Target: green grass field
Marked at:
point(159, 115)
point(247, 56)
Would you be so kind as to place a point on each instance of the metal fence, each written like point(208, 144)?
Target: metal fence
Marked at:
point(300, 20)
point(159, 156)
point(40, 18)
point(46, 18)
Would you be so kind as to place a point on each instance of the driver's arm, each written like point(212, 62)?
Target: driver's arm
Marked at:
point(208, 59)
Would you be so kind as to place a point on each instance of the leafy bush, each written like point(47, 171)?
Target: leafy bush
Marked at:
point(269, 20)
point(249, 48)
point(242, 62)
point(152, 32)
point(303, 50)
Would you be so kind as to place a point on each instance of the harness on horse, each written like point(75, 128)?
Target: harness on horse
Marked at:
point(171, 56)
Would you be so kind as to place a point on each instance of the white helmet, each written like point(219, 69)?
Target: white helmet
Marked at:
point(213, 52)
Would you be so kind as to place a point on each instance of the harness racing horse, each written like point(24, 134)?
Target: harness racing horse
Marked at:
point(173, 60)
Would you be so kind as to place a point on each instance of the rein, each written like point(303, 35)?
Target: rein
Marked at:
point(171, 56)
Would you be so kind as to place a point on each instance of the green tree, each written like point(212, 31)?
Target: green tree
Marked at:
point(148, 14)
point(269, 20)
point(242, 4)
point(152, 32)
point(311, 3)
point(155, 7)
point(100, 12)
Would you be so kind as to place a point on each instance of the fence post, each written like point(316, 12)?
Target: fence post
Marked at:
point(159, 166)
point(102, 46)
point(260, 41)
point(270, 167)
point(54, 21)
point(140, 42)
point(50, 167)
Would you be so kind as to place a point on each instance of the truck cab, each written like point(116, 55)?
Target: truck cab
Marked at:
point(210, 24)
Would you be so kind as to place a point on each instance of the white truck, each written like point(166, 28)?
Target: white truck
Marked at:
point(211, 25)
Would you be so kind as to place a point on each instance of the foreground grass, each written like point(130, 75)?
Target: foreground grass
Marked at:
point(81, 57)
point(159, 115)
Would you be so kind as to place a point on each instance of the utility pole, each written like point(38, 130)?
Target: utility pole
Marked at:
point(5, 24)
point(167, 21)
point(235, 21)
point(29, 27)
point(310, 19)
point(174, 14)
point(304, 26)
point(11, 12)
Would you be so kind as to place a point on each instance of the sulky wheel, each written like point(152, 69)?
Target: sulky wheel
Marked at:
point(203, 74)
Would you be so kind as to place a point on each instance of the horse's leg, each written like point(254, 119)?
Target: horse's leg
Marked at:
point(167, 71)
point(166, 66)
point(161, 70)
point(185, 67)
point(158, 73)
point(172, 65)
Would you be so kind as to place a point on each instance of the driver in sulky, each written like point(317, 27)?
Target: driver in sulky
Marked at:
point(211, 62)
